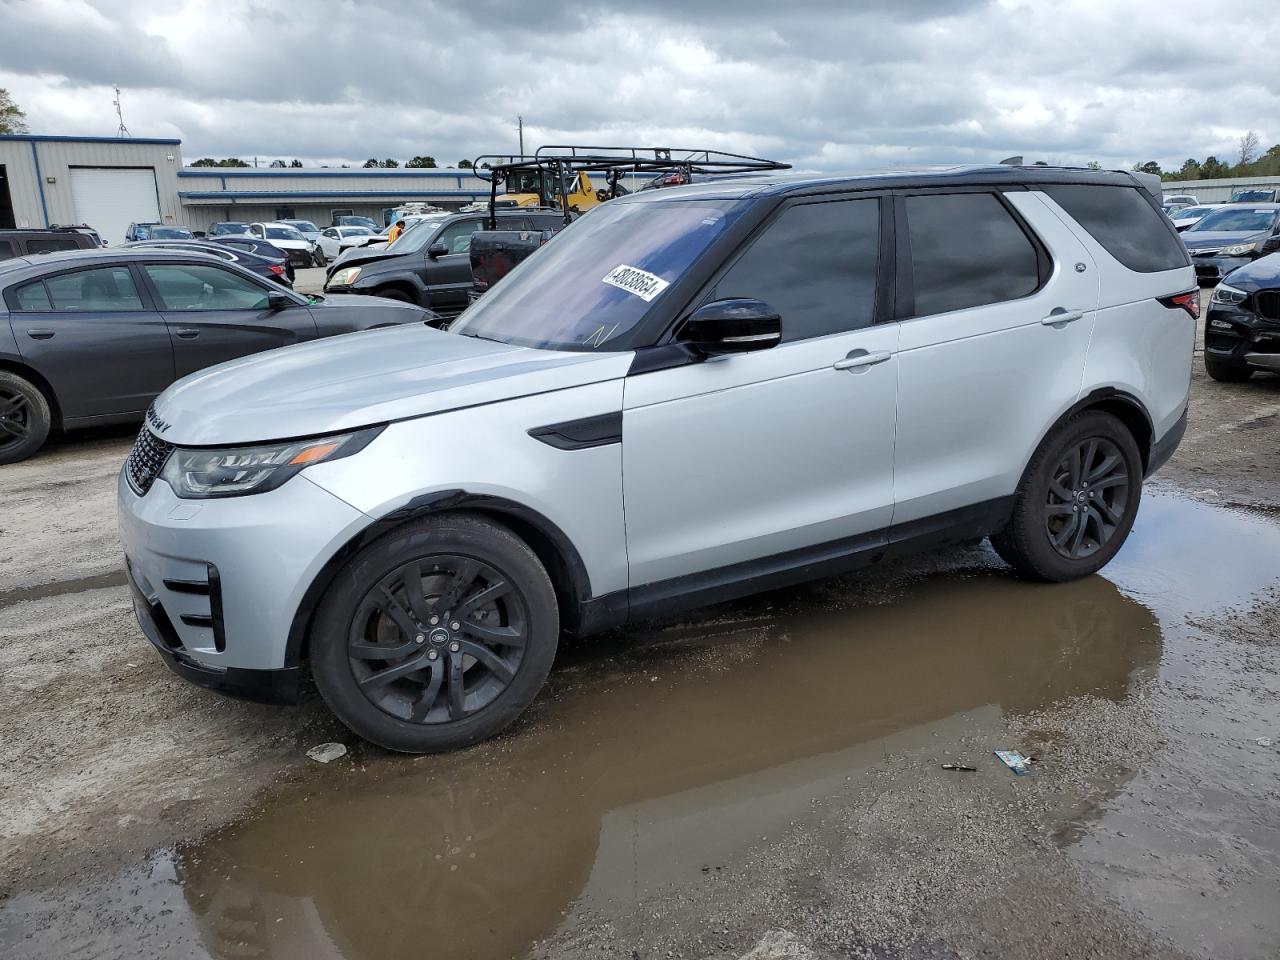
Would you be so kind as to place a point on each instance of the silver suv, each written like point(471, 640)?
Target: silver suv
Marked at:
point(687, 396)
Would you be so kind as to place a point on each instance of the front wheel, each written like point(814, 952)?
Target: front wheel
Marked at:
point(1076, 502)
point(436, 636)
point(319, 259)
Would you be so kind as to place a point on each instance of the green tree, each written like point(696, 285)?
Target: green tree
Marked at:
point(12, 119)
point(1190, 169)
point(1093, 165)
point(389, 163)
point(464, 164)
point(205, 162)
point(1213, 168)
point(232, 162)
point(295, 163)
point(370, 163)
point(1149, 167)
point(422, 162)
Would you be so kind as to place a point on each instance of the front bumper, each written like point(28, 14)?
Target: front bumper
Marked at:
point(218, 583)
point(1211, 269)
point(1237, 335)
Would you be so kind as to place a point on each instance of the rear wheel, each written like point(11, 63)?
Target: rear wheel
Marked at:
point(1076, 502)
point(436, 636)
point(25, 418)
point(1226, 371)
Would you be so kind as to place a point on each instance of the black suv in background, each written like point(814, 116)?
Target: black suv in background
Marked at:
point(22, 243)
point(430, 264)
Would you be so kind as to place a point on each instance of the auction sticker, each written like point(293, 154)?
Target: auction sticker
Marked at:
point(643, 284)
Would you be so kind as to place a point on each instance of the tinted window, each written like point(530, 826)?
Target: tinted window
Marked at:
point(1127, 226)
point(6, 250)
point(457, 236)
point(1236, 220)
point(967, 250)
point(50, 244)
point(103, 289)
point(191, 287)
point(33, 297)
point(815, 265)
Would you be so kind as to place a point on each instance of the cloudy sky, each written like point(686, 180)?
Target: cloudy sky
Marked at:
point(825, 85)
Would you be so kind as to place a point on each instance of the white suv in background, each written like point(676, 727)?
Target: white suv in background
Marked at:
point(289, 240)
point(689, 395)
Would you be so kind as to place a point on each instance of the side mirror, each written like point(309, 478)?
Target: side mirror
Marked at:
point(732, 326)
point(278, 301)
point(437, 250)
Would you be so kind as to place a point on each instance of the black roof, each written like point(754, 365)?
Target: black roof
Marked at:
point(33, 266)
point(999, 175)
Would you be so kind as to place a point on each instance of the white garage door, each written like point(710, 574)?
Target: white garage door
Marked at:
point(110, 198)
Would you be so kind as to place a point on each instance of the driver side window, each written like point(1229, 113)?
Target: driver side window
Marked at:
point(183, 286)
point(457, 236)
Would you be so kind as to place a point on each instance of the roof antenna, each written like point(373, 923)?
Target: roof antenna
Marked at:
point(1006, 162)
point(122, 130)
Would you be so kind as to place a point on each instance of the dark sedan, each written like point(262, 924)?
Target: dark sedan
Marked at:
point(1232, 236)
point(269, 267)
point(1242, 326)
point(90, 337)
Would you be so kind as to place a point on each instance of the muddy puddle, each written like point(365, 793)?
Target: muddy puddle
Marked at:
point(657, 758)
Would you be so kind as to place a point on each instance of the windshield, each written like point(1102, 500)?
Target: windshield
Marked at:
point(357, 222)
point(415, 236)
point(588, 287)
point(1235, 220)
point(283, 233)
point(228, 229)
point(1253, 196)
point(305, 226)
point(356, 232)
point(1191, 212)
point(170, 233)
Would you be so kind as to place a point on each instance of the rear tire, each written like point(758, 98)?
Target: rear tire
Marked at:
point(25, 418)
point(401, 681)
point(1076, 502)
point(1224, 371)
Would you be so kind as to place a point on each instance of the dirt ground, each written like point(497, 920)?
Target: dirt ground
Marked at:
point(798, 809)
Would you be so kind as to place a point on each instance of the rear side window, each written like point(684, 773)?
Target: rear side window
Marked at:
point(100, 290)
point(32, 297)
point(1124, 223)
point(966, 251)
point(815, 265)
point(50, 244)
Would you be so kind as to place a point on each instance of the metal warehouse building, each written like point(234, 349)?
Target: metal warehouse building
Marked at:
point(1218, 191)
point(109, 182)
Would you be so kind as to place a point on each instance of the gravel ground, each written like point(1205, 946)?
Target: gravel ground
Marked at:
point(1150, 828)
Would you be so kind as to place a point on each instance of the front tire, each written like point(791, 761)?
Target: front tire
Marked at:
point(1077, 500)
point(1225, 371)
point(393, 293)
point(25, 418)
point(436, 635)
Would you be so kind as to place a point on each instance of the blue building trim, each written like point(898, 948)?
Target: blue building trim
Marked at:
point(272, 196)
point(41, 138)
point(329, 172)
point(35, 157)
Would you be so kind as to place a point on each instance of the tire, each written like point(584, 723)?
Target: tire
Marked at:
point(319, 259)
point(1044, 539)
point(1224, 371)
point(393, 293)
point(407, 700)
point(25, 418)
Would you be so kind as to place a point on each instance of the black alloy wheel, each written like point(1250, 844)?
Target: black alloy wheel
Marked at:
point(25, 418)
point(436, 635)
point(1086, 499)
point(1076, 502)
point(438, 639)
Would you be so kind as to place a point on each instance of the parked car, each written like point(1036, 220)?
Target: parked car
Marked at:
point(418, 514)
point(1242, 325)
point(334, 241)
point(22, 243)
point(268, 267)
point(83, 228)
point(157, 231)
point(1186, 217)
point(1232, 236)
point(90, 337)
point(349, 220)
point(261, 247)
point(228, 228)
point(301, 251)
point(1181, 199)
point(1257, 195)
point(312, 233)
point(428, 265)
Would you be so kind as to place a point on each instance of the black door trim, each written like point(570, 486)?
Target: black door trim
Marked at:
point(583, 433)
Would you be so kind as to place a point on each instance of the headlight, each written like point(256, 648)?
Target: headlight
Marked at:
point(1225, 294)
point(202, 473)
point(1239, 249)
point(345, 276)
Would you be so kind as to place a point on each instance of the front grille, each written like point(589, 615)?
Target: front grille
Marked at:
point(300, 258)
point(1206, 252)
point(1267, 304)
point(146, 460)
point(1209, 271)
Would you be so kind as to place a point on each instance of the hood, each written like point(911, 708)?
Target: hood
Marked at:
point(1262, 274)
point(359, 256)
point(288, 244)
point(1220, 238)
point(352, 381)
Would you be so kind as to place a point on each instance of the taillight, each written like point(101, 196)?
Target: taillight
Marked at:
point(1189, 301)
point(276, 269)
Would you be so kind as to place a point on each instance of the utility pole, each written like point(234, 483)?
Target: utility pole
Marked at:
point(122, 130)
point(519, 125)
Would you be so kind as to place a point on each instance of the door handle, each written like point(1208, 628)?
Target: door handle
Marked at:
point(187, 333)
point(861, 358)
point(1061, 315)
point(40, 334)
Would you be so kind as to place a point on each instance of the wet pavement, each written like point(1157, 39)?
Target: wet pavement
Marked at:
point(665, 758)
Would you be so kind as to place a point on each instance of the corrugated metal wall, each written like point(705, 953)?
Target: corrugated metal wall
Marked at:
point(1217, 191)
